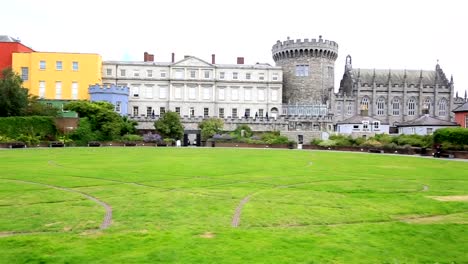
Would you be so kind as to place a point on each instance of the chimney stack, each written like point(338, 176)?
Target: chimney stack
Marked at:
point(213, 59)
point(240, 60)
point(148, 57)
point(173, 57)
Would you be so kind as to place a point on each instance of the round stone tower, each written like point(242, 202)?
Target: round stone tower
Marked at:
point(308, 69)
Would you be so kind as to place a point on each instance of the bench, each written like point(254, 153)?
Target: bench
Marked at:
point(94, 144)
point(375, 151)
point(56, 144)
point(130, 144)
point(17, 145)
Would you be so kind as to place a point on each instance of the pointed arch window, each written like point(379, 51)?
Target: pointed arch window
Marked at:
point(411, 107)
point(427, 103)
point(380, 106)
point(396, 107)
point(443, 107)
point(365, 103)
point(349, 111)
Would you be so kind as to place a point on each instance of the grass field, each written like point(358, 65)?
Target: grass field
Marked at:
point(168, 205)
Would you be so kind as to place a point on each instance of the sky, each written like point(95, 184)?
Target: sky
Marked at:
point(385, 34)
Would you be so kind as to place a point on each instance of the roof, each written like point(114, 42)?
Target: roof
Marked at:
point(397, 76)
point(357, 119)
point(426, 120)
point(5, 38)
point(461, 108)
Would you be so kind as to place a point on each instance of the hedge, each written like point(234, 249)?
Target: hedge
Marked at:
point(456, 136)
point(39, 126)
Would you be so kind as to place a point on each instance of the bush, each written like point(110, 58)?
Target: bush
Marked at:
point(130, 137)
point(247, 131)
point(316, 142)
point(371, 143)
point(5, 139)
point(413, 140)
point(42, 127)
point(274, 138)
point(83, 134)
point(327, 143)
point(342, 140)
point(28, 139)
point(153, 138)
point(457, 136)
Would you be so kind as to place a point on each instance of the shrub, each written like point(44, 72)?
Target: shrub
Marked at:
point(327, 143)
point(247, 131)
point(456, 136)
point(342, 140)
point(274, 138)
point(83, 134)
point(5, 139)
point(316, 142)
point(371, 143)
point(130, 137)
point(37, 126)
point(413, 140)
point(28, 139)
point(153, 138)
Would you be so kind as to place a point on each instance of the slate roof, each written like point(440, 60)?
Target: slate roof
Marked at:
point(398, 76)
point(357, 119)
point(461, 108)
point(5, 38)
point(426, 120)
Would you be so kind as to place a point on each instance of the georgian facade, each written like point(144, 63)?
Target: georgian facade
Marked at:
point(195, 88)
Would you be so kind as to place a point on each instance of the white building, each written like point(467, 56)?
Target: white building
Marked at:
point(362, 125)
point(424, 125)
point(195, 88)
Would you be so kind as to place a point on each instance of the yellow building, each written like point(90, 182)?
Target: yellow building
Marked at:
point(55, 75)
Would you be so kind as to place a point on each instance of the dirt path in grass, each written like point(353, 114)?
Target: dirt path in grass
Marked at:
point(106, 222)
point(236, 218)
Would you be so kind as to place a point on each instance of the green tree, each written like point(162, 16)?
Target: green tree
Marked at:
point(169, 126)
point(13, 96)
point(104, 122)
point(211, 126)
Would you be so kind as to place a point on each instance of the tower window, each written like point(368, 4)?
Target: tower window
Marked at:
point(302, 70)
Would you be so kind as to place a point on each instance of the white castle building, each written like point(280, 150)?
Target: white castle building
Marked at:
point(195, 88)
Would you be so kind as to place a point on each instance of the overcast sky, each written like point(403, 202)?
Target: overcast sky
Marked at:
point(392, 34)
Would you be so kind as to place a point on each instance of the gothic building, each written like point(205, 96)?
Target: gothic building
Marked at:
point(394, 96)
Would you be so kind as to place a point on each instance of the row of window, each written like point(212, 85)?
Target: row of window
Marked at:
point(396, 106)
point(42, 66)
point(147, 92)
point(191, 113)
point(194, 74)
point(58, 90)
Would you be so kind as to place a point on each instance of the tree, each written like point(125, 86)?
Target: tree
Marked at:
point(169, 126)
point(107, 124)
point(211, 126)
point(14, 98)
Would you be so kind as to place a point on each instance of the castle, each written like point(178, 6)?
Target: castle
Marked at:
point(296, 96)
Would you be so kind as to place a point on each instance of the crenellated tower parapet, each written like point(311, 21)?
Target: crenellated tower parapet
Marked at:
point(308, 69)
point(108, 89)
point(305, 47)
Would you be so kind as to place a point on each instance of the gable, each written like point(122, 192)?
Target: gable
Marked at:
point(193, 61)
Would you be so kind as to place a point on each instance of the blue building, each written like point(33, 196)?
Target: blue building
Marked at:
point(116, 95)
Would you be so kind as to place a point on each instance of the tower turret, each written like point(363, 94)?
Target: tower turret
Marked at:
point(308, 68)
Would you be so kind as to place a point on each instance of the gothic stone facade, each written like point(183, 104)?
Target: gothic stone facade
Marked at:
point(393, 96)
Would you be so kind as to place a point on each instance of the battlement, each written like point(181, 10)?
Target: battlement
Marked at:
point(305, 48)
point(305, 44)
point(108, 89)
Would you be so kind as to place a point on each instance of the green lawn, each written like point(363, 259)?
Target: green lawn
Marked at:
point(176, 205)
